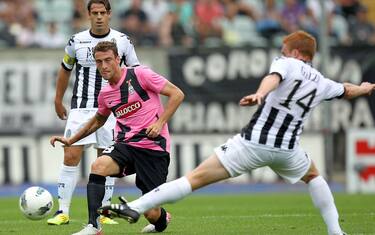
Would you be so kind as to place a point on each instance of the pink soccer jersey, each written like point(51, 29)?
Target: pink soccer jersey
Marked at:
point(136, 104)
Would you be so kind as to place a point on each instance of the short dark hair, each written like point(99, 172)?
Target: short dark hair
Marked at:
point(106, 4)
point(106, 46)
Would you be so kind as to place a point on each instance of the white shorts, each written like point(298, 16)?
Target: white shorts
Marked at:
point(101, 139)
point(240, 156)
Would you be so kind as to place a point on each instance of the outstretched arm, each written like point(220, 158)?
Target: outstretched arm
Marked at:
point(95, 123)
point(353, 91)
point(175, 97)
point(61, 85)
point(268, 84)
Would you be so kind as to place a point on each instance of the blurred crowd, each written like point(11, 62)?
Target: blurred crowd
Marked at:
point(188, 23)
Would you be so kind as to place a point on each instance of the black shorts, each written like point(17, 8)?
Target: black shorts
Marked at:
point(150, 166)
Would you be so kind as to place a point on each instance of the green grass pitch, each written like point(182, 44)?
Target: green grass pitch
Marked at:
point(260, 213)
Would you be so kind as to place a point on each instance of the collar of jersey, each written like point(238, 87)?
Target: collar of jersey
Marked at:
point(99, 36)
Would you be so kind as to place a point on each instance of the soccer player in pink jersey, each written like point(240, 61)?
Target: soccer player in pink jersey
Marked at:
point(83, 106)
point(142, 143)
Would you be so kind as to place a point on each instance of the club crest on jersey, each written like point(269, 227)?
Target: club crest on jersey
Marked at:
point(113, 40)
point(127, 110)
point(130, 87)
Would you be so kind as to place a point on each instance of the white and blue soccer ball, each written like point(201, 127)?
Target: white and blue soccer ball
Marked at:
point(36, 203)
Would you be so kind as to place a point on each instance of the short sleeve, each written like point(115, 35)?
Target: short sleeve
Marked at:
point(332, 89)
point(131, 58)
point(280, 65)
point(150, 79)
point(69, 58)
point(102, 107)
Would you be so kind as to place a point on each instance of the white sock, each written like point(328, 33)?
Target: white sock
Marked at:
point(322, 198)
point(165, 193)
point(66, 184)
point(109, 186)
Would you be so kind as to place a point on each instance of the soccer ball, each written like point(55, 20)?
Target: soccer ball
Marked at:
point(36, 203)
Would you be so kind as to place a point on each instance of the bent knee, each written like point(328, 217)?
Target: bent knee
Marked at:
point(99, 167)
point(105, 165)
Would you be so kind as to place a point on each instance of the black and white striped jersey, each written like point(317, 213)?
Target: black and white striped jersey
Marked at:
point(279, 121)
point(88, 81)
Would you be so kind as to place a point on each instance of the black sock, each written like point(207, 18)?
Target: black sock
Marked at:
point(95, 195)
point(161, 223)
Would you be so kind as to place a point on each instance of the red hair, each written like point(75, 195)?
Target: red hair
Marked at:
point(303, 42)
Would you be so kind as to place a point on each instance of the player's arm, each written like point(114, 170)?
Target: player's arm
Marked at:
point(61, 86)
point(91, 126)
point(63, 78)
point(175, 97)
point(353, 91)
point(268, 84)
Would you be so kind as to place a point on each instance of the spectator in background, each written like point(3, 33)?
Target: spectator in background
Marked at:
point(337, 24)
point(347, 8)
point(362, 31)
point(239, 28)
point(52, 38)
point(207, 15)
point(21, 19)
point(26, 33)
point(155, 11)
point(292, 15)
point(249, 8)
point(135, 23)
point(268, 24)
point(79, 21)
point(6, 20)
point(176, 26)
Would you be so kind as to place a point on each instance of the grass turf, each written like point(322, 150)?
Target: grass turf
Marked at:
point(274, 213)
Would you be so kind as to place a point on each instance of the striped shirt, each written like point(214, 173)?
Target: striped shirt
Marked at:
point(279, 121)
point(88, 81)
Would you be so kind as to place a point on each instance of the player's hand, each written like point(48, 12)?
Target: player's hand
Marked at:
point(154, 129)
point(369, 87)
point(60, 110)
point(60, 139)
point(252, 100)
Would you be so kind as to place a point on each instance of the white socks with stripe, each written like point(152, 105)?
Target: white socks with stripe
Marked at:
point(65, 186)
point(166, 193)
point(109, 187)
point(322, 198)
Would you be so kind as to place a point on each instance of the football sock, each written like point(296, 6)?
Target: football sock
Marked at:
point(165, 193)
point(95, 194)
point(109, 186)
point(65, 186)
point(161, 223)
point(322, 198)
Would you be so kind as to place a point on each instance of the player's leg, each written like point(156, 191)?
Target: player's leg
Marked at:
point(323, 199)
point(297, 165)
point(151, 168)
point(66, 184)
point(159, 219)
point(229, 160)
point(105, 138)
point(209, 171)
point(109, 188)
point(102, 167)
